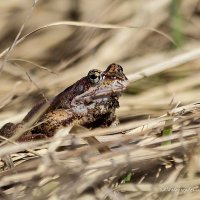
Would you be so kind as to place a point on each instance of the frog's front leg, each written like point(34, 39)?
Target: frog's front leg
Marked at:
point(110, 119)
point(103, 121)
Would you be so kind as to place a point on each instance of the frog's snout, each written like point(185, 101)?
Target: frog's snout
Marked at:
point(120, 85)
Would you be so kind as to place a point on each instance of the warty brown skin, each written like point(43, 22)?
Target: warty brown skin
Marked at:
point(90, 102)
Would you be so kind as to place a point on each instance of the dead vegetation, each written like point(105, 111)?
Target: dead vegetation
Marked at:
point(48, 45)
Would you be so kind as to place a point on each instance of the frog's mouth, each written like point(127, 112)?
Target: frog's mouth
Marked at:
point(114, 89)
point(102, 92)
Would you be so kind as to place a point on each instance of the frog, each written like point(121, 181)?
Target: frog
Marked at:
point(90, 102)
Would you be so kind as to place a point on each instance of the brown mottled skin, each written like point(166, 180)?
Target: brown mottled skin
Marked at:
point(90, 102)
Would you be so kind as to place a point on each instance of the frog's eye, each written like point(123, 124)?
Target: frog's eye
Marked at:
point(94, 76)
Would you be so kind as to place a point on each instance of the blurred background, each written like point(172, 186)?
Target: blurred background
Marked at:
point(48, 61)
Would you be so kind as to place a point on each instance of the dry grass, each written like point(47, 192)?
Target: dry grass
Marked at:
point(48, 45)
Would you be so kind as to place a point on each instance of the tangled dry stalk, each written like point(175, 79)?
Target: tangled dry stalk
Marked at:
point(155, 152)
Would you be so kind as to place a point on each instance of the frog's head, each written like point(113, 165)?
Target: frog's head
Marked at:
point(110, 82)
point(103, 85)
point(113, 72)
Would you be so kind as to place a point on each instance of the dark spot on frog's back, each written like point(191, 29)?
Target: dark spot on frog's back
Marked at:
point(81, 88)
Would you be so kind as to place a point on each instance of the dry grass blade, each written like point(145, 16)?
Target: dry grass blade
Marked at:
point(85, 24)
point(18, 35)
point(166, 65)
point(34, 64)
